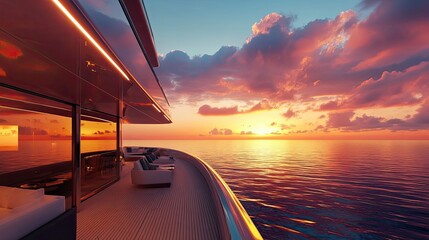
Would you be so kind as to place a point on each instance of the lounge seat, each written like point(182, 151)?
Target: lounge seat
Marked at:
point(133, 151)
point(145, 174)
point(22, 211)
point(161, 160)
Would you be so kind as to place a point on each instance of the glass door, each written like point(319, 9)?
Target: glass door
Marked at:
point(99, 158)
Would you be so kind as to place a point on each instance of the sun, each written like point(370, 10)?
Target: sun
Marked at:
point(262, 131)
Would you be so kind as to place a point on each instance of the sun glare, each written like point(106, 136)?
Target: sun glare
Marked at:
point(262, 131)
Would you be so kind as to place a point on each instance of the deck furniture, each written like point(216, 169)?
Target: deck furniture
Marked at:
point(159, 160)
point(23, 210)
point(145, 174)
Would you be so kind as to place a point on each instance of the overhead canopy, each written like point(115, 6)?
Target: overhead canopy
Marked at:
point(51, 57)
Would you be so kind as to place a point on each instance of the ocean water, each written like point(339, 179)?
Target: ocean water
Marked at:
point(323, 189)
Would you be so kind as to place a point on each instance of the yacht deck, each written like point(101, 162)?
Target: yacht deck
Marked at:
point(185, 210)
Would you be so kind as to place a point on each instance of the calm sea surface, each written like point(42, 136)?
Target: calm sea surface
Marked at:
point(324, 189)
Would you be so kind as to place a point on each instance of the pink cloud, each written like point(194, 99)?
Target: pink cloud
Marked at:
point(391, 34)
point(348, 121)
point(379, 61)
point(207, 110)
point(289, 114)
point(329, 105)
point(393, 88)
point(339, 119)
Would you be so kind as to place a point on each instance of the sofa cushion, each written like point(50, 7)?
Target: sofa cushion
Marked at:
point(20, 221)
point(144, 164)
point(11, 197)
point(138, 165)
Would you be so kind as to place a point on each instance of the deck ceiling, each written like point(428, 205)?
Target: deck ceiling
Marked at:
point(41, 51)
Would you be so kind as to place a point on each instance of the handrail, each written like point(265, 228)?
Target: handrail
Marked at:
point(239, 224)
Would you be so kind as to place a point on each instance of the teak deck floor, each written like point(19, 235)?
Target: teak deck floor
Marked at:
point(184, 210)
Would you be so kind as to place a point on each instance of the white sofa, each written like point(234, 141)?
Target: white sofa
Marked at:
point(23, 211)
point(140, 176)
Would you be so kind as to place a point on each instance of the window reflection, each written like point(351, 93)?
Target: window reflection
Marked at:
point(35, 144)
point(99, 158)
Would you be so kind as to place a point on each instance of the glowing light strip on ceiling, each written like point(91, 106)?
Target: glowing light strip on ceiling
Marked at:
point(88, 36)
point(157, 109)
point(166, 118)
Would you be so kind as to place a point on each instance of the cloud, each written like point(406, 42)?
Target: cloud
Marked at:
point(348, 121)
point(261, 106)
point(207, 110)
point(272, 63)
point(246, 133)
point(329, 105)
point(227, 131)
point(289, 114)
point(31, 131)
point(392, 34)
point(382, 60)
point(339, 119)
point(222, 131)
point(285, 127)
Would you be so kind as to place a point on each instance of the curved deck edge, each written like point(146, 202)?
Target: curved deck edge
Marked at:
point(236, 222)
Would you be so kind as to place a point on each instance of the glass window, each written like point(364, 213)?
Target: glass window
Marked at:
point(99, 154)
point(35, 143)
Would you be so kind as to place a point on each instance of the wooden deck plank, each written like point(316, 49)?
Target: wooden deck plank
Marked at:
point(123, 211)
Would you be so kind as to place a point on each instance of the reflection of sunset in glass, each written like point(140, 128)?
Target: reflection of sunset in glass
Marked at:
point(8, 137)
point(98, 130)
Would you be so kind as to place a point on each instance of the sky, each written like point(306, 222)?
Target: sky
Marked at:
point(291, 69)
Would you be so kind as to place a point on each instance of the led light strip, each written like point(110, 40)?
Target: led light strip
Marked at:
point(167, 118)
point(154, 106)
point(88, 36)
